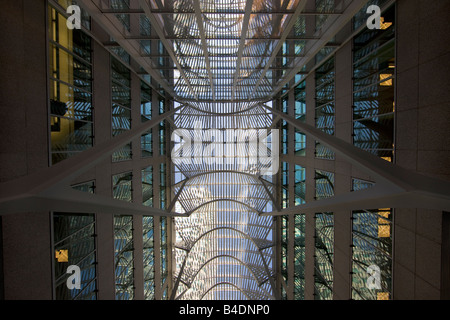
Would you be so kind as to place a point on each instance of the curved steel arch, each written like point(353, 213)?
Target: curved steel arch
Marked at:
point(223, 199)
point(229, 256)
point(256, 177)
point(229, 228)
point(246, 236)
point(189, 105)
point(222, 283)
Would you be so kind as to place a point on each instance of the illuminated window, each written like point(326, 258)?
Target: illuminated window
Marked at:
point(70, 71)
point(372, 246)
point(74, 244)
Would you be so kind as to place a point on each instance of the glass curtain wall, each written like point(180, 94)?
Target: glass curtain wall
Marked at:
point(148, 257)
point(372, 251)
point(299, 256)
point(325, 105)
point(121, 105)
point(124, 257)
point(146, 115)
point(374, 88)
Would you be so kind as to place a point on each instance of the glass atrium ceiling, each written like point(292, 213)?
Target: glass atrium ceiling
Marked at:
point(221, 60)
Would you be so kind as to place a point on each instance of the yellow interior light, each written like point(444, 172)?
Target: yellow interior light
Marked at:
point(383, 80)
point(62, 255)
point(384, 231)
point(383, 296)
point(384, 25)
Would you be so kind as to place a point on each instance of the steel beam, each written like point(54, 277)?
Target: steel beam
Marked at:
point(396, 181)
point(201, 29)
point(63, 173)
point(113, 30)
point(332, 26)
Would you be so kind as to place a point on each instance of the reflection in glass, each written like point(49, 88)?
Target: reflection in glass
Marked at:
point(324, 256)
point(74, 244)
point(325, 106)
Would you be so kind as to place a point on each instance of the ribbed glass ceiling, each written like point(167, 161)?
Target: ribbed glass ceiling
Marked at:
point(222, 61)
point(222, 51)
point(222, 47)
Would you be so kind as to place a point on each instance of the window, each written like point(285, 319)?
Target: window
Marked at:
point(164, 257)
point(299, 256)
point(74, 244)
point(147, 186)
point(123, 257)
point(300, 185)
point(372, 254)
point(70, 70)
point(121, 106)
point(325, 111)
point(284, 185)
point(284, 253)
point(148, 257)
point(323, 256)
point(122, 186)
point(324, 184)
point(373, 89)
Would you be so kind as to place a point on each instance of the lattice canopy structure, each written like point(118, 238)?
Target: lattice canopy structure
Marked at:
point(224, 62)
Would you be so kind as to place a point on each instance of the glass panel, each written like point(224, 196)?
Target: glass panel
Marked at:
point(146, 102)
point(74, 244)
point(324, 256)
point(300, 185)
point(300, 101)
point(162, 186)
point(122, 186)
point(284, 253)
point(374, 88)
point(299, 257)
point(147, 186)
point(124, 257)
point(70, 71)
point(164, 257)
point(121, 104)
point(372, 255)
point(148, 258)
point(358, 184)
point(284, 185)
point(324, 184)
point(325, 106)
point(147, 145)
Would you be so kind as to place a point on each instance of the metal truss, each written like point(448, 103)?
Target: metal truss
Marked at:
point(50, 188)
